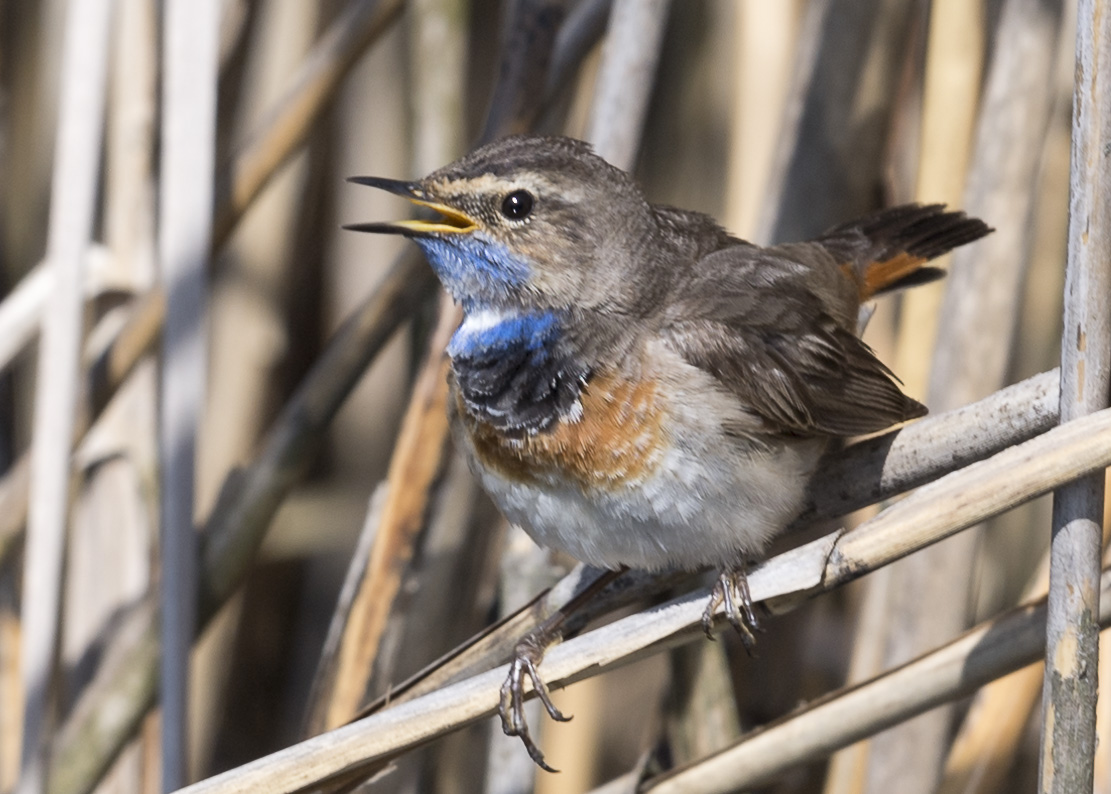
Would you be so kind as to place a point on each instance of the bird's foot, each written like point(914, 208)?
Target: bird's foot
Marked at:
point(731, 591)
point(527, 656)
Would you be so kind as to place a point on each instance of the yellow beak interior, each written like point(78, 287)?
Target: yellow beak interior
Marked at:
point(452, 220)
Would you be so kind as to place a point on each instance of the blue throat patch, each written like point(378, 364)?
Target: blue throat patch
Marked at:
point(526, 332)
point(474, 270)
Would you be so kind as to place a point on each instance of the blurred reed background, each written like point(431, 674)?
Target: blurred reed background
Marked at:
point(341, 544)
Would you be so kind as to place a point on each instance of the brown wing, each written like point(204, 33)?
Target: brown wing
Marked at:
point(754, 321)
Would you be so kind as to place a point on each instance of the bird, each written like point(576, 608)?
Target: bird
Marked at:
point(633, 385)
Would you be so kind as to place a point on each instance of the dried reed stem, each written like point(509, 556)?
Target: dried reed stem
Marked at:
point(984, 747)
point(283, 131)
point(950, 100)
point(236, 526)
point(416, 462)
point(72, 213)
point(937, 511)
point(974, 338)
point(94, 733)
point(21, 312)
point(320, 694)
point(827, 166)
point(765, 35)
point(110, 367)
point(1072, 639)
point(418, 454)
point(879, 468)
point(251, 167)
point(188, 152)
point(625, 79)
point(988, 651)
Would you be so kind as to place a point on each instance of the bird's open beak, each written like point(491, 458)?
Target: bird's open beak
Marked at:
point(451, 220)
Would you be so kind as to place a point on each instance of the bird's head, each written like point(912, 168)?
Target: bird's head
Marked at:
point(534, 223)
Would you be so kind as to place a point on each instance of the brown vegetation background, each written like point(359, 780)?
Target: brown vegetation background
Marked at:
point(335, 544)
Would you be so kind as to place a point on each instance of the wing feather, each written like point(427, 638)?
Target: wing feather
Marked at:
point(778, 348)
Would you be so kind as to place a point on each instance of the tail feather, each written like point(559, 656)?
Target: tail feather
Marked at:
point(887, 250)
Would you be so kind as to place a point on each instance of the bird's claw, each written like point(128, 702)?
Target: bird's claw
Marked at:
point(511, 708)
point(731, 590)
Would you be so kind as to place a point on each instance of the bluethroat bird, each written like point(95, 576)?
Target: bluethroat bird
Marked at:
point(633, 385)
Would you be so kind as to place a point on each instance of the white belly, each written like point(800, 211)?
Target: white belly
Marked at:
point(700, 507)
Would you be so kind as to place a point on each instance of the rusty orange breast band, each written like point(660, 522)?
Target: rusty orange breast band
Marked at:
point(618, 440)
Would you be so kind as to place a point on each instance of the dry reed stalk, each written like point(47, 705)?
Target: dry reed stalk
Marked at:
point(448, 596)
point(935, 129)
point(191, 33)
point(129, 215)
point(33, 40)
point(985, 746)
point(11, 715)
point(878, 468)
point(701, 716)
point(21, 312)
point(251, 335)
point(625, 78)
point(108, 561)
point(828, 165)
point(575, 750)
point(950, 100)
point(235, 528)
point(932, 601)
point(418, 456)
point(984, 749)
point(256, 160)
point(520, 91)
point(978, 656)
point(580, 31)
point(251, 496)
point(73, 197)
point(524, 569)
point(112, 543)
point(1072, 639)
point(261, 154)
point(285, 129)
point(968, 497)
point(273, 143)
point(496, 644)
point(848, 768)
point(415, 464)
point(94, 734)
point(1102, 777)
point(110, 367)
point(15, 492)
point(259, 157)
point(320, 695)
point(766, 35)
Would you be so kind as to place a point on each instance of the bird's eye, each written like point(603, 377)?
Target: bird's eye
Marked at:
point(517, 205)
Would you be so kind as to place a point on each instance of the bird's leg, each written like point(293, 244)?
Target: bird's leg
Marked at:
point(528, 654)
point(527, 657)
point(731, 591)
